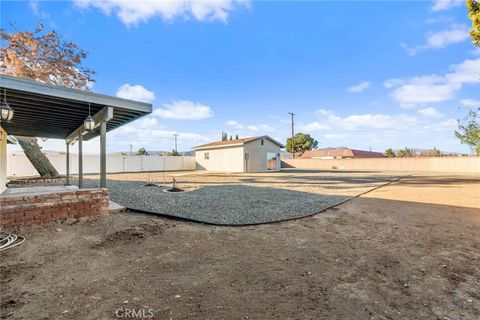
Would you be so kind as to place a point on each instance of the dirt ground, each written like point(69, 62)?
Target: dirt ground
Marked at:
point(410, 250)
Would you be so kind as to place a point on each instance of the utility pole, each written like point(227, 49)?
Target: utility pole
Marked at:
point(131, 146)
point(293, 135)
point(176, 135)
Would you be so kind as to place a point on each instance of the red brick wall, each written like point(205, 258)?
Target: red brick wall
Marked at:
point(36, 180)
point(37, 209)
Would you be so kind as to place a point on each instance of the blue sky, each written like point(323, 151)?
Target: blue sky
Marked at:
point(358, 74)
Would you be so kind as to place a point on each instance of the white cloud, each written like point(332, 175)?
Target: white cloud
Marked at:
point(335, 136)
point(133, 12)
point(447, 126)
point(430, 112)
point(411, 94)
point(313, 126)
point(390, 83)
point(249, 128)
point(328, 119)
point(148, 133)
point(184, 110)
point(434, 88)
point(135, 92)
point(380, 131)
point(378, 121)
point(470, 102)
point(466, 72)
point(362, 86)
point(235, 124)
point(441, 5)
point(260, 127)
point(276, 118)
point(34, 6)
point(440, 39)
point(146, 123)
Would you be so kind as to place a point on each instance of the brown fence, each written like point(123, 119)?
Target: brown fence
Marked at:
point(421, 164)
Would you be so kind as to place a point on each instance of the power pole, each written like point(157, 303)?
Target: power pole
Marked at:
point(293, 135)
point(176, 135)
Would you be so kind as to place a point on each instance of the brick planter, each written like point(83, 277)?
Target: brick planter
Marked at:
point(37, 180)
point(43, 207)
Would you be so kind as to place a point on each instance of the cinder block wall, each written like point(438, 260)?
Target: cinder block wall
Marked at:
point(38, 209)
point(420, 164)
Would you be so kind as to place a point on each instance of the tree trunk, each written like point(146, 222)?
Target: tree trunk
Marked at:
point(37, 158)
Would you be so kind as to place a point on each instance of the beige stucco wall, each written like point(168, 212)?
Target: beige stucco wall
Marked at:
point(227, 159)
point(3, 160)
point(232, 158)
point(434, 164)
point(257, 159)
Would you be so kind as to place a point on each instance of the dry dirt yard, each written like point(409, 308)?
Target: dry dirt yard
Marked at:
point(409, 250)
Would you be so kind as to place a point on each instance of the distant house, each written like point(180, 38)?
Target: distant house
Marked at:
point(341, 153)
point(257, 154)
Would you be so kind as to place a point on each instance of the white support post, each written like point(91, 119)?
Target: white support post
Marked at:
point(80, 162)
point(67, 169)
point(103, 154)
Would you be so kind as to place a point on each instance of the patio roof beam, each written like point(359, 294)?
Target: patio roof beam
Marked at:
point(103, 115)
point(62, 93)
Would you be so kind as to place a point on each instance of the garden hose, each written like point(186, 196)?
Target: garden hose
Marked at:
point(8, 241)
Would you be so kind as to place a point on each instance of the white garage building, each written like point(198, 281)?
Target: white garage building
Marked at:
point(256, 154)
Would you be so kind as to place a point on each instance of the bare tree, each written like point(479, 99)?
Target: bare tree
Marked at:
point(44, 57)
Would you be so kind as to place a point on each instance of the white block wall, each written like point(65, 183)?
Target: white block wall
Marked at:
point(18, 165)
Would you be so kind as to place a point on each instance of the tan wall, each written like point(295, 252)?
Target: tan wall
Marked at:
point(257, 160)
point(444, 164)
point(3, 160)
point(221, 159)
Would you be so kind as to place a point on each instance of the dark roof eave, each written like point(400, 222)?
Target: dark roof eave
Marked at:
point(47, 111)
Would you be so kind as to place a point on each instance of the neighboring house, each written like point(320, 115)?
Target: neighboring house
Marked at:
point(257, 154)
point(341, 153)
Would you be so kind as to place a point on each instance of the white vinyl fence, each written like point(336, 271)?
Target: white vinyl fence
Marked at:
point(18, 165)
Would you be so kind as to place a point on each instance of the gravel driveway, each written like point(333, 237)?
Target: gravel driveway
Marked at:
point(237, 199)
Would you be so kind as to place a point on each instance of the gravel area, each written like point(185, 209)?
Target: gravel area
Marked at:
point(238, 199)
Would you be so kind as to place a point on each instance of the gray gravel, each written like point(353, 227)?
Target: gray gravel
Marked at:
point(237, 199)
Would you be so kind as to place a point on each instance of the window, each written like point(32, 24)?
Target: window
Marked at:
point(261, 142)
point(206, 156)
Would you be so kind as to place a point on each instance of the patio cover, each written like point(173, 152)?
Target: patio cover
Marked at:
point(48, 111)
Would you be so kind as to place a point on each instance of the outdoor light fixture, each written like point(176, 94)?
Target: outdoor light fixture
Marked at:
point(89, 123)
point(6, 113)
